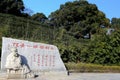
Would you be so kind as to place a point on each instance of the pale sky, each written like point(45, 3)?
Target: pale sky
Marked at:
point(110, 7)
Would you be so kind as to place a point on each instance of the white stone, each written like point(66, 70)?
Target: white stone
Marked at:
point(38, 57)
point(13, 60)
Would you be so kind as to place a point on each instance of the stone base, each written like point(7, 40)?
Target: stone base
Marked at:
point(20, 76)
point(16, 76)
point(66, 73)
point(4, 76)
point(38, 75)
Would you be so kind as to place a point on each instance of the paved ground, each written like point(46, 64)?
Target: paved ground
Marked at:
point(77, 76)
point(86, 76)
point(95, 76)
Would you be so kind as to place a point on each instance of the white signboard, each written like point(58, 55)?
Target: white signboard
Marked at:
point(38, 56)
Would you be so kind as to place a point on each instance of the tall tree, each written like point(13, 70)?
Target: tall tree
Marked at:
point(80, 17)
point(14, 7)
point(39, 17)
point(115, 23)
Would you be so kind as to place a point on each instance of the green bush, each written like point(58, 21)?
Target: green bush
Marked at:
point(87, 67)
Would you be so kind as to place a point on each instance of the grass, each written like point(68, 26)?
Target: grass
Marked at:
point(87, 67)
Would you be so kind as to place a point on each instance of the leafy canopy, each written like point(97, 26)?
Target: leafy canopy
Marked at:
point(14, 7)
point(39, 17)
point(79, 17)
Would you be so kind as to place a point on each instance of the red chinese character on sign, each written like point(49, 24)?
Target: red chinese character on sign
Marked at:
point(41, 47)
point(52, 48)
point(42, 60)
point(47, 47)
point(22, 45)
point(38, 59)
point(35, 46)
point(16, 44)
point(46, 60)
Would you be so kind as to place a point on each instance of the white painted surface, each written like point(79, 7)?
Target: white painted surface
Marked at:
point(38, 56)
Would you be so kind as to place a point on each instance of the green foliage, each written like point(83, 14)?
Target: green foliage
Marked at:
point(39, 17)
point(115, 23)
point(104, 49)
point(83, 67)
point(24, 28)
point(12, 7)
point(79, 17)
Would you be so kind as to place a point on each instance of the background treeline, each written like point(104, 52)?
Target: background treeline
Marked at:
point(79, 29)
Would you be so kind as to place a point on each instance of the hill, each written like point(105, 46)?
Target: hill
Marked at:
point(27, 29)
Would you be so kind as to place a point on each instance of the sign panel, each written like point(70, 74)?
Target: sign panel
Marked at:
point(38, 56)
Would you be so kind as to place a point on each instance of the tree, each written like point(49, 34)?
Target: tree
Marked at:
point(39, 17)
point(104, 49)
point(14, 7)
point(79, 17)
point(115, 23)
